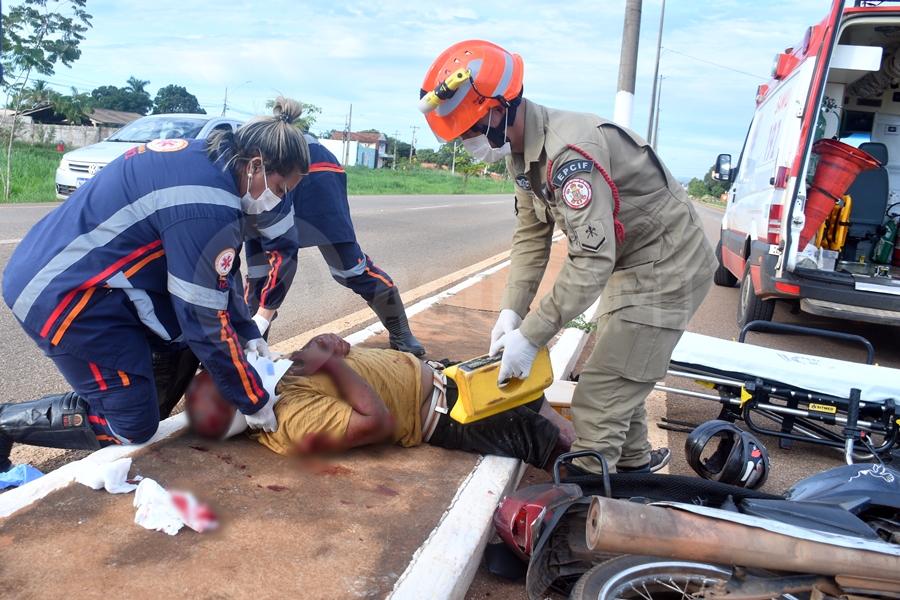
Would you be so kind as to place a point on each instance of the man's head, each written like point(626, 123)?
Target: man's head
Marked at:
point(477, 89)
point(209, 414)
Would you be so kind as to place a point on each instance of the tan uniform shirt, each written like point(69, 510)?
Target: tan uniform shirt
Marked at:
point(664, 254)
point(312, 405)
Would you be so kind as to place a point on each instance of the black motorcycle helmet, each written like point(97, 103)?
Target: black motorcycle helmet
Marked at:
point(740, 458)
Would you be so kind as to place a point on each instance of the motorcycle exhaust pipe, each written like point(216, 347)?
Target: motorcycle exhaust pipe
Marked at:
point(632, 528)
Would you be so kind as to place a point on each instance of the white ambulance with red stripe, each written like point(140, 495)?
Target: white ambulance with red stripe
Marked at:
point(842, 82)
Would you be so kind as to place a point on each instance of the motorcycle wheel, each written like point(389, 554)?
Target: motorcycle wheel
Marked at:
point(649, 578)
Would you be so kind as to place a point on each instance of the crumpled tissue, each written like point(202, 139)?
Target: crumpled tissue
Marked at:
point(111, 476)
point(169, 511)
point(18, 475)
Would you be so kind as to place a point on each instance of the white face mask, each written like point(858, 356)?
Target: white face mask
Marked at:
point(480, 147)
point(266, 201)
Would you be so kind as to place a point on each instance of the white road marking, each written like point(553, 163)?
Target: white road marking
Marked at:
point(428, 207)
point(10, 241)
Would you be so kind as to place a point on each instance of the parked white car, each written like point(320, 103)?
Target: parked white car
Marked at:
point(79, 165)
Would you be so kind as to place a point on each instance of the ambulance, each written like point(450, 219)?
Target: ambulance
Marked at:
point(841, 83)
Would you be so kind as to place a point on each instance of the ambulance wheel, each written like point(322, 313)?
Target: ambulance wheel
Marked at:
point(751, 307)
point(723, 276)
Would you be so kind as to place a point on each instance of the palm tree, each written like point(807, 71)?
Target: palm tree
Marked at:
point(136, 85)
point(40, 94)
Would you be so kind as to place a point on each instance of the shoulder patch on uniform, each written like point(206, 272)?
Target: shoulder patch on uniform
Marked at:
point(522, 181)
point(224, 261)
point(173, 145)
point(570, 168)
point(591, 236)
point(577, 193)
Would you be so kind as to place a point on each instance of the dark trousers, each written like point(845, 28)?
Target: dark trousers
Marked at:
point(518, 433)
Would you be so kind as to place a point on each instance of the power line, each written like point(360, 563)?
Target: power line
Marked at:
point(717, 65)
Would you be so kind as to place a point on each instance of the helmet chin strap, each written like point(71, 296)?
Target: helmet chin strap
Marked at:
point(498, 137)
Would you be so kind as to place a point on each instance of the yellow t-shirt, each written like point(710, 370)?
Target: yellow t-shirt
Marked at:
point(312, 404)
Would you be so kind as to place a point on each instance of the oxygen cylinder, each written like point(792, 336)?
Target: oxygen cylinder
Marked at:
point(884, 247)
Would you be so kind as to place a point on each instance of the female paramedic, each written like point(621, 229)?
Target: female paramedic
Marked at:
point(139, 260)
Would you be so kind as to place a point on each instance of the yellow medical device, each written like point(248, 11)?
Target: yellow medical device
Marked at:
point(481, 396)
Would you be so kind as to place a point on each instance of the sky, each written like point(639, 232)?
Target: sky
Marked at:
point(374, 55)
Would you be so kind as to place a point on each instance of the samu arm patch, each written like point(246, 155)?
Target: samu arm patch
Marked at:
point(570, 168)
point(591, 236)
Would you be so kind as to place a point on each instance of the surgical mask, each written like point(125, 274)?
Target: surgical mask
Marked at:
point(480, 147)
point(266, 201)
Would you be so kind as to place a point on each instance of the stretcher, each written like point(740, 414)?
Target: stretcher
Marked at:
point(807, 398)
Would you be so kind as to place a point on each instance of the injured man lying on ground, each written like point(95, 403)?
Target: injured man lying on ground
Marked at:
point(335, 397)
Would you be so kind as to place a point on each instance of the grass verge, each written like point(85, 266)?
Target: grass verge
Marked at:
point(33, 172)
point(363, 182)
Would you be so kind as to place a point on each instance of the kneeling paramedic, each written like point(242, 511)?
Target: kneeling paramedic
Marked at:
point(632, 235)
point(138, 261)
point(318, 214)
point(335, 397)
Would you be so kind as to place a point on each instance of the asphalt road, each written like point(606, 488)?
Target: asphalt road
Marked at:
point(416, 239)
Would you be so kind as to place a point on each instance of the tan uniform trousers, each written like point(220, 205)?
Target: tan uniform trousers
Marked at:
point(608, 406)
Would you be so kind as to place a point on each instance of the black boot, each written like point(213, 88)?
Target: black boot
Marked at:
point(389, 308)
point(172, 373)
point(58, 421)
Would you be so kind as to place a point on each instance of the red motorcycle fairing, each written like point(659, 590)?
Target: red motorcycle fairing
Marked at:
point(521, 516)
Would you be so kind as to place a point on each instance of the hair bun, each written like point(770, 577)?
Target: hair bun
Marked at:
point(287, 110)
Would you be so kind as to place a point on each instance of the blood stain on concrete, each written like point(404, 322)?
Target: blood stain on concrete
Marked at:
point(158, 453)
point(386, 491)
point(276, 488)
point(335, 470)
point(226, 457)
point(200, 448)
point(346, 502)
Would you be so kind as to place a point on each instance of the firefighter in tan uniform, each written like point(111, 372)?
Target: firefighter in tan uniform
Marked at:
point(632, 235)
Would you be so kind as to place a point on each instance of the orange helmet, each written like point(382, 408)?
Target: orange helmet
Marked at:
point(495, 78)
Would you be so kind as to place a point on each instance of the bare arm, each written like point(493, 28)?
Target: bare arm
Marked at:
point(370, 422)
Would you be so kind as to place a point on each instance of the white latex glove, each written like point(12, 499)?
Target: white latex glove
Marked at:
point(506, 322)
point(259, 346)
point(264, 418)
point(261, 322)
point(518, 356)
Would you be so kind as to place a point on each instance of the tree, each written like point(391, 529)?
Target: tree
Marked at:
point(74, 107)
point(176, 99)
point(697, 188)
point(36, 35)
point(124, 99)
point(327, 134)
point(136, 85)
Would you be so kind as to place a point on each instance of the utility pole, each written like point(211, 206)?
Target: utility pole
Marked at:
point(453, 162)
point(225, 102)
point(396, 141)
point(662, 17)
point(628, 64)
point(347, 137)
point(412, 144)
point(656, 127)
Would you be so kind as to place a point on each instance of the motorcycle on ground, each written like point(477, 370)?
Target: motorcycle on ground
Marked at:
point(660, 537)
